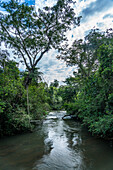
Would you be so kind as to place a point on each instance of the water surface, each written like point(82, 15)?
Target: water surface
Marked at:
point(56, 145)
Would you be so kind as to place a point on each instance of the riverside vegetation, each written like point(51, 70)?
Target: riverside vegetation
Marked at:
point(88, 94)
point(93, 102)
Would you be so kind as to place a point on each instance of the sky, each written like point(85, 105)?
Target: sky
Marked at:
point(95, 14)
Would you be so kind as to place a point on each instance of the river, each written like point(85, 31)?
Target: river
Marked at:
point(56, 145)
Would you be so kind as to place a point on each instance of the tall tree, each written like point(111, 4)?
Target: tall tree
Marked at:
point(83, 54)
point(31, 34)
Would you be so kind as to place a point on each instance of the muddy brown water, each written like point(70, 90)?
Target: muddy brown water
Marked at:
point(56, 145)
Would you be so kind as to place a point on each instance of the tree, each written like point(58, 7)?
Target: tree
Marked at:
point(31, 34)
point(34, 78)
point(94, 101)
point(55, 83)
point(83, 54)
point(3, 57)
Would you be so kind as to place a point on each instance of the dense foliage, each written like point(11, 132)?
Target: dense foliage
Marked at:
point(14, 117)
point(94, 101)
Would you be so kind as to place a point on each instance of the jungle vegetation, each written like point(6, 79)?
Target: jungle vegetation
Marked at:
point(93, 100)
point(88, 94)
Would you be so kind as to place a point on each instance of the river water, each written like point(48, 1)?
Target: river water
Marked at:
point(56, 145)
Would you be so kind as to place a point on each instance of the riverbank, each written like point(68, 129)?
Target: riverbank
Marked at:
point(101, 126)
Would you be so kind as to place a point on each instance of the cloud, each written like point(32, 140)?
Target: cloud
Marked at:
point(98, 6)
point(93, 19)
point(23, 1)
point(54, 68)
point(43, 3)
point(108, 16)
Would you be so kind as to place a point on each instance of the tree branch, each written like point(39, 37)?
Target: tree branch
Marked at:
point(42, 53)
point(35, 56)
point(15, 43)
point(24, 47)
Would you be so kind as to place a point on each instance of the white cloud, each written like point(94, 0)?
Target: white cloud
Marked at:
point(43, 3)
point(54, 68)
point(96, 21)
point(81, 4)
point(22, 1)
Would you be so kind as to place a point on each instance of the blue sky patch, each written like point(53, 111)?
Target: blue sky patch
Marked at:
point(30, 2)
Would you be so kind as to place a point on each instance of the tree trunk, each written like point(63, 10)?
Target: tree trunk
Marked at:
point(28, 101)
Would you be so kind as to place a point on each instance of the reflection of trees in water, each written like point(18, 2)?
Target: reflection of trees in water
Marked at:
point(95, 153)
point(77, 141)
point(72, 132)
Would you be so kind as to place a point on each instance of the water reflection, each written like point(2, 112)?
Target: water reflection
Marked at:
point(56, 145)
point(62, 156)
